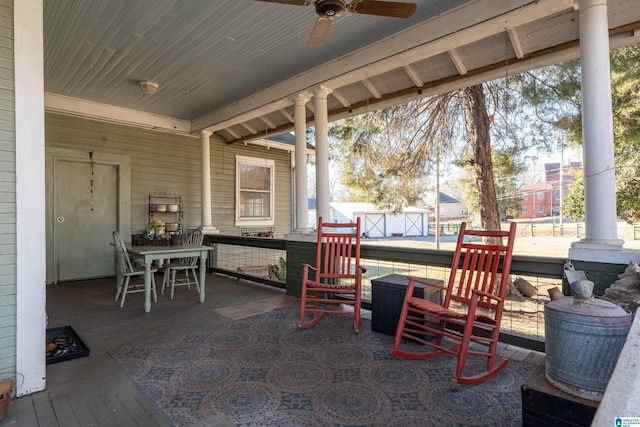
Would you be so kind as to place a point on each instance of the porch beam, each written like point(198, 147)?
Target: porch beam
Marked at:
point(515, 42)
point(413, 74)
point(268, 122)
point(373, 90)
point(340, 98)
point(249, 128)
point(286, 115)
point(233, 132)
point(457, 61)
point(108, 113)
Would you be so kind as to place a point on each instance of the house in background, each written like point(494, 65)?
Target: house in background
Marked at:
point(538, 200)
point(450, 207)
point(544, 198)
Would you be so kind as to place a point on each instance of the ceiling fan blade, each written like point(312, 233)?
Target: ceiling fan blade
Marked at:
point(320, 31)
point(291, 2)
point(384, 8)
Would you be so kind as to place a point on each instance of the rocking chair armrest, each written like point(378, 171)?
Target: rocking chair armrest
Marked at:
point(486, 294)
point(310, 270)
point(363, 269)
point(309, 266)
point(427, 282)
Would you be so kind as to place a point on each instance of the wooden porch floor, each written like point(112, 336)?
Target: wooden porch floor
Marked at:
point(93, 390)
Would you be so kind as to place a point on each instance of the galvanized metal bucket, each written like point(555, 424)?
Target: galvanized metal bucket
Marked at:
point(584, 337)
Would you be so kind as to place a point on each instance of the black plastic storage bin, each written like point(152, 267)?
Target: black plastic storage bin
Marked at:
point(387, 296)
point(543, 405)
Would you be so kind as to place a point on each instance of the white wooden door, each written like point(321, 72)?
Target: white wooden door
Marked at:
point(375, 225)
point(82, 224)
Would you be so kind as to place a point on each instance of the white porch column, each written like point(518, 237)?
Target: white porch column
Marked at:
point(597, 131)
point(300, 130)
point(205, 187)
point(30, 278)
point(322, 153)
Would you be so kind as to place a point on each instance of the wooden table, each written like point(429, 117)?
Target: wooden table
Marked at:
point(152, 253)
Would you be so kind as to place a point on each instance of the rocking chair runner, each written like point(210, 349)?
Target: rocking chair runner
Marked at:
point(472, 309)
point(336, 277)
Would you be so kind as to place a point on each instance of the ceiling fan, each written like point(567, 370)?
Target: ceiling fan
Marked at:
point(329, 10)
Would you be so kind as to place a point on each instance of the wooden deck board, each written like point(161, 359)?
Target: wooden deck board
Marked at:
point(44, 411)
point(21, 413)
point(65, 413)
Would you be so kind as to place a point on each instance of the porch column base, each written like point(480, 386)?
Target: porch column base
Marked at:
point(602, 250)
point(209, 229)
point(301, 236)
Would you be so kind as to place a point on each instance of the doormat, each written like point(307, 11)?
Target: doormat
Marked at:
point(64, 344)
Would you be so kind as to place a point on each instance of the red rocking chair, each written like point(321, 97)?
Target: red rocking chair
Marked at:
point(336, 277)
point(468, 322)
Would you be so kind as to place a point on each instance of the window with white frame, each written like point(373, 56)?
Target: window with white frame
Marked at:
point(540, 209)
point(525, 209)
point(525, 196)
point(254, 191)
point(540, 195)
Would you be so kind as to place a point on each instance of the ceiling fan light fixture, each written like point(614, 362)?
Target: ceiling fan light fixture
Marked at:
point(148, 87)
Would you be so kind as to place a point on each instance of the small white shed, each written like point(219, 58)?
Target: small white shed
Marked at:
point(411, 221)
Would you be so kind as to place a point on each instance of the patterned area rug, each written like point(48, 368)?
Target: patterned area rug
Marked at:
point(264, 371)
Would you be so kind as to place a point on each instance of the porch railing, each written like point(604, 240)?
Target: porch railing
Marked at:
point(265, 261)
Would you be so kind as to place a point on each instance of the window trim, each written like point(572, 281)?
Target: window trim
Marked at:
point(257, 161)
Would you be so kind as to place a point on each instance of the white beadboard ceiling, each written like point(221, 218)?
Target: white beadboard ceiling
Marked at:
point(233, 66)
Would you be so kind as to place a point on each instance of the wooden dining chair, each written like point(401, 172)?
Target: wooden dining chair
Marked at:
point(336, 278)
point(126, 271)
point(188, 266)
point(468, 321)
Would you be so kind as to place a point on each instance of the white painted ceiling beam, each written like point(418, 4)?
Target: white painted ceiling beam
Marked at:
point(515, 42)
point(413, 75)
point(244, 116)
point(311, 107)
point(286, 115)
point(235, 134)
point(373, 90)
point(457, 61)
point(268, 122)
point(249, 128)
point(340, 98)
point(108, 113)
